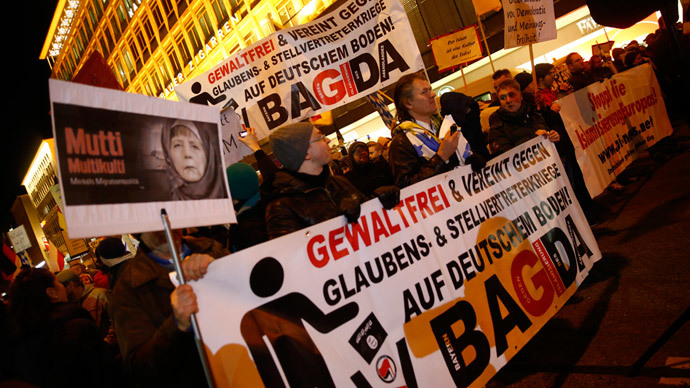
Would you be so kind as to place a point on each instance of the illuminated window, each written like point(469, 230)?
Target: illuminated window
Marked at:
point(135, 52)
point(89, 31)
point(141, 39)
point(183, 48)
point(158, 19)
point(181, 7)
point(150, 35)
point(80, 44)
point(75, 53)
point(250, 37)
point(92, 16)
point(220, 11)
point(105, 49)
point(116, 27)
point(109, 36)
point(193, 36)
point(205, 23)
point(164, 70)
point(98, 7)
point(147, 86)
point(121, 72)
point(286, 11)
point(174, 59)
point(122, 16)
point(169, 11)
point(157, 82)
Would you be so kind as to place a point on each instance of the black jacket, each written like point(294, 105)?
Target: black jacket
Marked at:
point(510, 129)
point(301, 200)
point(406, 164)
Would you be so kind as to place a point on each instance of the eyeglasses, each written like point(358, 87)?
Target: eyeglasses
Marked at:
point(504, 97)
point(322, 137)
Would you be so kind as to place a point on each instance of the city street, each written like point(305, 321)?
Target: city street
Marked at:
point(640, 290)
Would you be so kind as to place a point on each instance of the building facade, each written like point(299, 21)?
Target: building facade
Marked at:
point(41, 183)
point(153, 45)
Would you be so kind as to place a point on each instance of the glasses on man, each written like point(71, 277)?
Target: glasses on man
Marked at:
point(505, 96)
point(322, 137)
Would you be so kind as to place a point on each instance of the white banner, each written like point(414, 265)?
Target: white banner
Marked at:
point(611, 122)
point(123, 157)
point(19, 238)
point(528, 21)
point(299, 72)
point(440, 291)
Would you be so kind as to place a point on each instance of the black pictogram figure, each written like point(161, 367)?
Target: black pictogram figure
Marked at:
point(280, 320)
point(204, 98)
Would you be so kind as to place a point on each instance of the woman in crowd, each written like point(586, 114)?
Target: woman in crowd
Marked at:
point(193, 162)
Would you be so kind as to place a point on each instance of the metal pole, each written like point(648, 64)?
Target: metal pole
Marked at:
point(181, 280)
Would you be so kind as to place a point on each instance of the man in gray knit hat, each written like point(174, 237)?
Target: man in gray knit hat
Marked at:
point(304, 193)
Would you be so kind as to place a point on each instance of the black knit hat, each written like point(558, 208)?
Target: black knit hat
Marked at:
point(112, 251)
point(290, 144)
point(524, 79)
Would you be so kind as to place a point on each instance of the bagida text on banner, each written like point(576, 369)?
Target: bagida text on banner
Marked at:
point(299, 72)
point(440, 291)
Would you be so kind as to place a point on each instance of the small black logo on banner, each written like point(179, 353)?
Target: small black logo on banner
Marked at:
point(368, 338)
point(385, 368)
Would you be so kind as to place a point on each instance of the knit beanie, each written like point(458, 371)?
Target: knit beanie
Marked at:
point(243, 181)
point(353, 147)
point(290, 144)
point(524, 79)
point(112, 251)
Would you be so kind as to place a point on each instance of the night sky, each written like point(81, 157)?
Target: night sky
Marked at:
point(25, 104)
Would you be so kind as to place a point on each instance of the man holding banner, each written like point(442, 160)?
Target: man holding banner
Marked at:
point(416, 152)
point(304, 192)
point(152, 318)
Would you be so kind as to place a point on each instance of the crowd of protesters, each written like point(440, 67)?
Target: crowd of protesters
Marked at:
point(126, 324)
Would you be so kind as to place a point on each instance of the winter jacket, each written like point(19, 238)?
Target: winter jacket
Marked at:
point(509, 129)
point(155, 352)
point(407, 165)
point(301, 200)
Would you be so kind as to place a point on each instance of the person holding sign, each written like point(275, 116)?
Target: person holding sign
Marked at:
point(515, 121)
point(304, 193)
point(152, 317)
point(416, 152)
point(191, 162)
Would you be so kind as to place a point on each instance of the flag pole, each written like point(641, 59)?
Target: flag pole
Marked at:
point(488, 52)
point(531, 59)
point(181, 280)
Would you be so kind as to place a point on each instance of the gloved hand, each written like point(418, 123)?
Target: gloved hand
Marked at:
point(350, 208)
point(388, 195)
point(476, 161)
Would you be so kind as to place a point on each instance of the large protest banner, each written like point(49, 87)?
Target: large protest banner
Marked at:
point(123, 157)
point(298, 72)
point(527, 22)
point(440, 291)
point(611, 122)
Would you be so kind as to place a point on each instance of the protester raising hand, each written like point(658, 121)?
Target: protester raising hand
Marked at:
point(250, 140)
